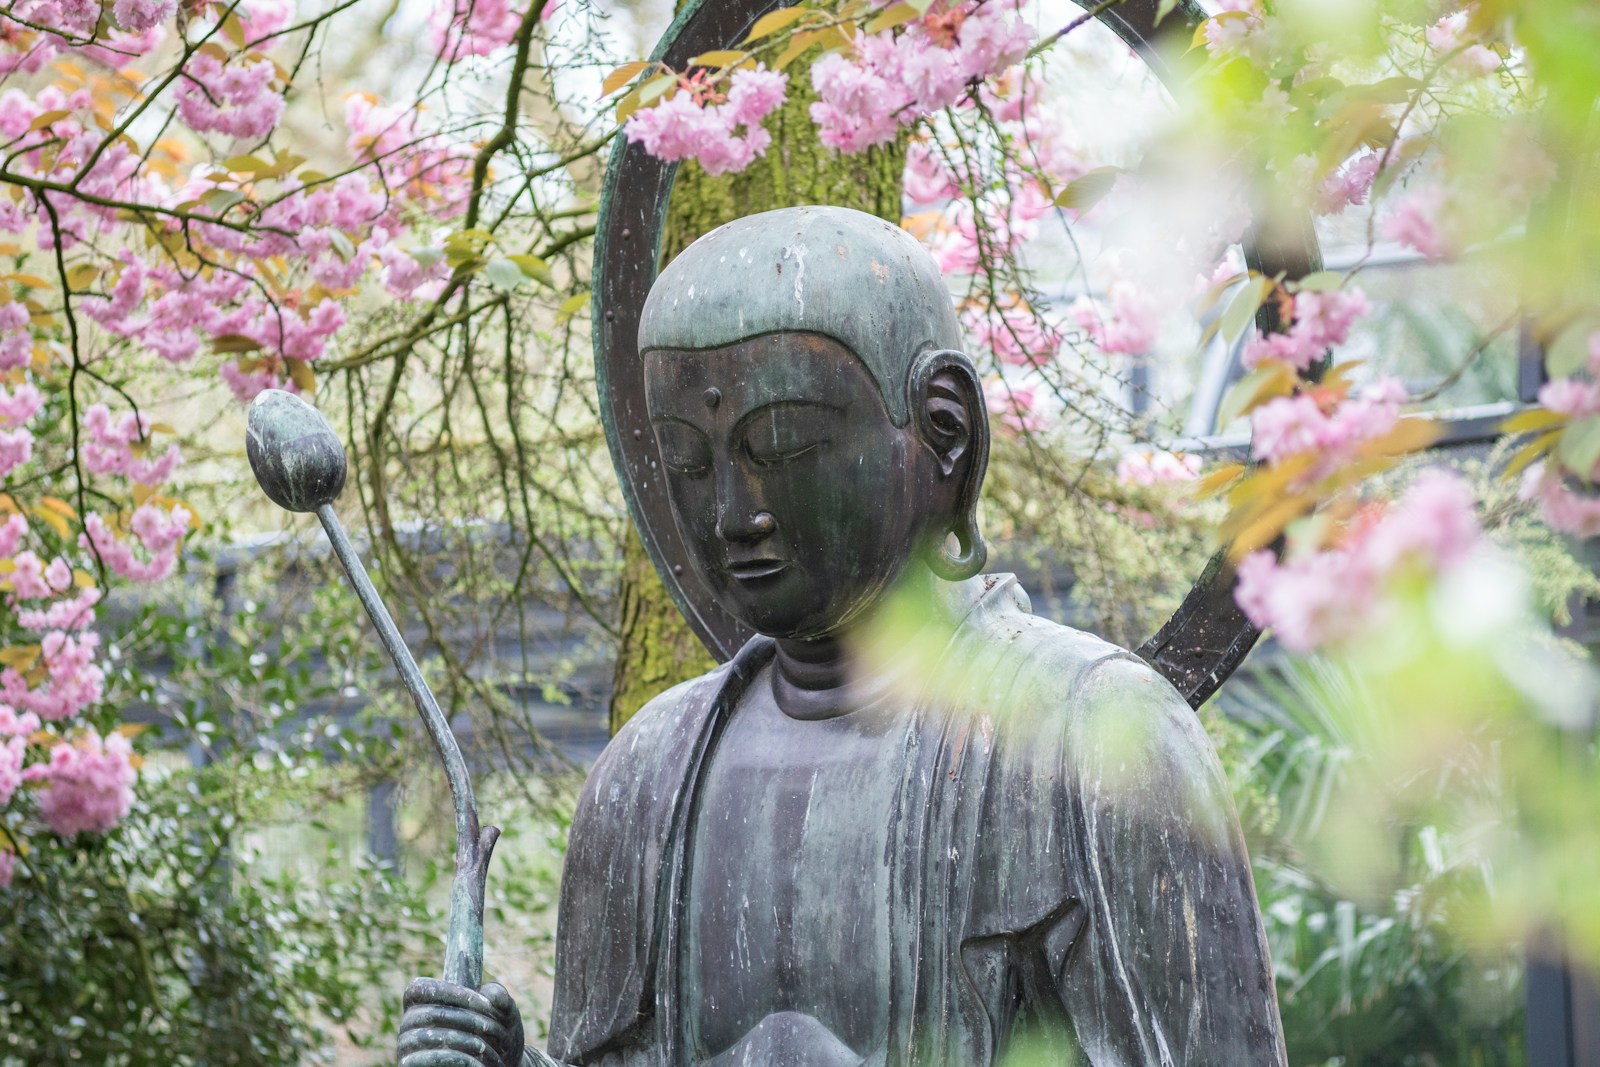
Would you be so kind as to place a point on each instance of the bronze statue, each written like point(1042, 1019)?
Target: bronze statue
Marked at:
point(910, 823)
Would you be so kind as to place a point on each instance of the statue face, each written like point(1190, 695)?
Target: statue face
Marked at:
point(800, 500)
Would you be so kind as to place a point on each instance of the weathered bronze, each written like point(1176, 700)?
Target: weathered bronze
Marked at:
point(1204, 640)
point(300, 464)
point(909, 822)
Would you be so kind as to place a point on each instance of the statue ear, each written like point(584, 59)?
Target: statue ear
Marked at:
point(946, 401)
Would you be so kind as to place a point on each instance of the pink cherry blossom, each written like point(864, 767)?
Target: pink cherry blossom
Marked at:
point(1571, 397)
point(1349, 185)
point(894, 80)
point(88, 784)
point(158, 533)
point(16, 448)
point(1322, 320)
point(1307, 602)
point(1471, 60)
point(19, 405)
point(1125, 323)
point(473, 27)
point(16, 339)
point(683, 127)
point(1434, 525)
point(1157, 467)
point(1329, 595)
point(1015, 334)
point(1015, 406)
point(74, 613)
point(1565, 506)
point(11, 756)
point(236, 99)
point(1296, 425)
point(14, 725)
point(1239, 31)
point(11, 532)
point(137, 16)
point(1416, 222)
point(109, 447)
point(72, 679)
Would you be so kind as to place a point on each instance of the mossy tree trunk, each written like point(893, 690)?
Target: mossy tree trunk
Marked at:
point(657, 649)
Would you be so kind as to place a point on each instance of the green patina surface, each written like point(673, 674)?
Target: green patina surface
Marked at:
point(657, 648)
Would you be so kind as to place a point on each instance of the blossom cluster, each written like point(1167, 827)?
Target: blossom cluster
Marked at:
point(1568, 499)
point(1330, 594)
point(1321, 320)
point(893, 79)
point(1325, 425)
point(693, 124)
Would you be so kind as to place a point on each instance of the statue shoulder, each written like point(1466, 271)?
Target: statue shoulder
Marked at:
point(1055, 679)
point(664, 725)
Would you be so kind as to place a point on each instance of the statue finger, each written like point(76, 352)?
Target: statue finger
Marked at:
point(438, 991)
point(435, 1057)
point(444, 1017)
point(499, 998)
point(467, 1048)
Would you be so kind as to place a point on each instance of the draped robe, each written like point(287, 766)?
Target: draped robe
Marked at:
point(1064, 860)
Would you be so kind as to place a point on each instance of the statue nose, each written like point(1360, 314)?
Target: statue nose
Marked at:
point(753, 528)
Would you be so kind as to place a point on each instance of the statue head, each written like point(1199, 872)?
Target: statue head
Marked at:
point(821, 431)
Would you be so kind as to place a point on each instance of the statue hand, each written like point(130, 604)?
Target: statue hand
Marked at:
point(447, 1025)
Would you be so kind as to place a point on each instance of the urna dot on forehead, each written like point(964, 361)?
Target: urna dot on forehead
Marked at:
point(845, 274)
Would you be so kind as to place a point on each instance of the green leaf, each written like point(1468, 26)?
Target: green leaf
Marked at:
point(1270, 379)
point(504, 274)
point(1321, 281)
point(231, 343)
point(220, 200)
point(534, 268)
point(1579, 446)
point(1164, 9)
point(622, 76)
point(892, 16)
point(341, 245)
point(572, 305)
point(1570, 350)
point(772, 22)
point(1087, 191)
point(1244, 307)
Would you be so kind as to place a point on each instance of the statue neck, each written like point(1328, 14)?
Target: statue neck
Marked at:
point(823, 678)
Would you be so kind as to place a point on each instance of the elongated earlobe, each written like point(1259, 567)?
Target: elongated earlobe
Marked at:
point(946, 399)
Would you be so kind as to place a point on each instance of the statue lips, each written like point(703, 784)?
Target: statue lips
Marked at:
point(754, 570)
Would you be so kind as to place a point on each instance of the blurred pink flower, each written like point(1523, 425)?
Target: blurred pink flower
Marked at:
point(11, 755)
point(1572, 397)
point(88, 784)
point(1015, 406)
point(1125, 323)
point(1015, 334)
point(1349, 185)
point(1295, 425)
point(1564, 506)
point(1326, 596)
point(683, 127)
point(1158, 467)
point(1416, 222)
point(461, 28)
point(136, 16)
point(1322, 320)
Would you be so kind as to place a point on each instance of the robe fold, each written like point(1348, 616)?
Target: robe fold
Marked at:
point(1064, 861)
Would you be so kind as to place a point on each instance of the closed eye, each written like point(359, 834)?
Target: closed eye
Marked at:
point(684, 449)
point(768, 456)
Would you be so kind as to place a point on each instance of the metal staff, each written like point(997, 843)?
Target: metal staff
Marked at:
point(300, 463)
